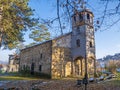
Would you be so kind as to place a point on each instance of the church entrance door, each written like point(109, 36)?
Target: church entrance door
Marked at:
point(78, 64)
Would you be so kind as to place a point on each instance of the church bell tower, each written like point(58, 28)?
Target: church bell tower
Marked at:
point(83, 43)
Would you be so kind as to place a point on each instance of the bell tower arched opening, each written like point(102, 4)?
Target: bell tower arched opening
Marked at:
point(79, 66)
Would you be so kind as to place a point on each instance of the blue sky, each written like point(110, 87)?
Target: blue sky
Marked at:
point(107, 42)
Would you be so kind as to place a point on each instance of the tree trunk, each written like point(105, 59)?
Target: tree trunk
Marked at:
point(0, 40)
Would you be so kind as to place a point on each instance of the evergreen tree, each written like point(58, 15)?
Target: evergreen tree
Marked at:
point(15, 18)
point(40, 34)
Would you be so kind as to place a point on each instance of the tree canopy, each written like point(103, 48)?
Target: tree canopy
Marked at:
point(16, 17)
point(41, 34)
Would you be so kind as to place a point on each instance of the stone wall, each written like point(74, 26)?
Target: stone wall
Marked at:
point(62, 41)
point(90, 50)
point(37, 58)
point(61, 57)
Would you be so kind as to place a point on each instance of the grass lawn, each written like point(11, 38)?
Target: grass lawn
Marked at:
point(62, 84)
point(115, 81)
point(17, 78)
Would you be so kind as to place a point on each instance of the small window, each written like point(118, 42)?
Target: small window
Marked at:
point(74, 18)
point(88, 16)
point(41, 55)
point(78, 42)
point(40, 68)
point(80, 17)
point(23, 67)
point(90, 44)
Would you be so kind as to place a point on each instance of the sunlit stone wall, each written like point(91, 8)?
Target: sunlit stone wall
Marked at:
point(61, 56)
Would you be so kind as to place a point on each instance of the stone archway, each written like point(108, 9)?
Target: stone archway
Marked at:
point(79, 66)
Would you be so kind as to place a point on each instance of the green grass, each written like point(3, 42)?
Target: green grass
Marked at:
point(22, 76)
point(17, 78)
point(115, 81)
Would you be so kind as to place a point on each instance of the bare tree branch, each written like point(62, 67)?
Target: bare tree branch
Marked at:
point(117, 7)
point(112, 24)
point(59, 17)
point(104, 13)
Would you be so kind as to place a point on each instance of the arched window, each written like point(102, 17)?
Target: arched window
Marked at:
point(80, 17)
point(88, 16)
point(90, 44)
point(24, 67)
point(78, 42)
point(41, 56)
point(40, 68)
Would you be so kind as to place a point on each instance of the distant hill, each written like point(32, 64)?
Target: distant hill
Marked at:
point(3, 62)
point(110, 57)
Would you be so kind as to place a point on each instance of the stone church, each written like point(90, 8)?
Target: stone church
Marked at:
point(66, 55)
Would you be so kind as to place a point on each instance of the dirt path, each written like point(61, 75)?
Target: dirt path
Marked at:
point(54, 85)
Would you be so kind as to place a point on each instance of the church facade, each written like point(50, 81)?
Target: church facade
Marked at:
point(66, 55)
